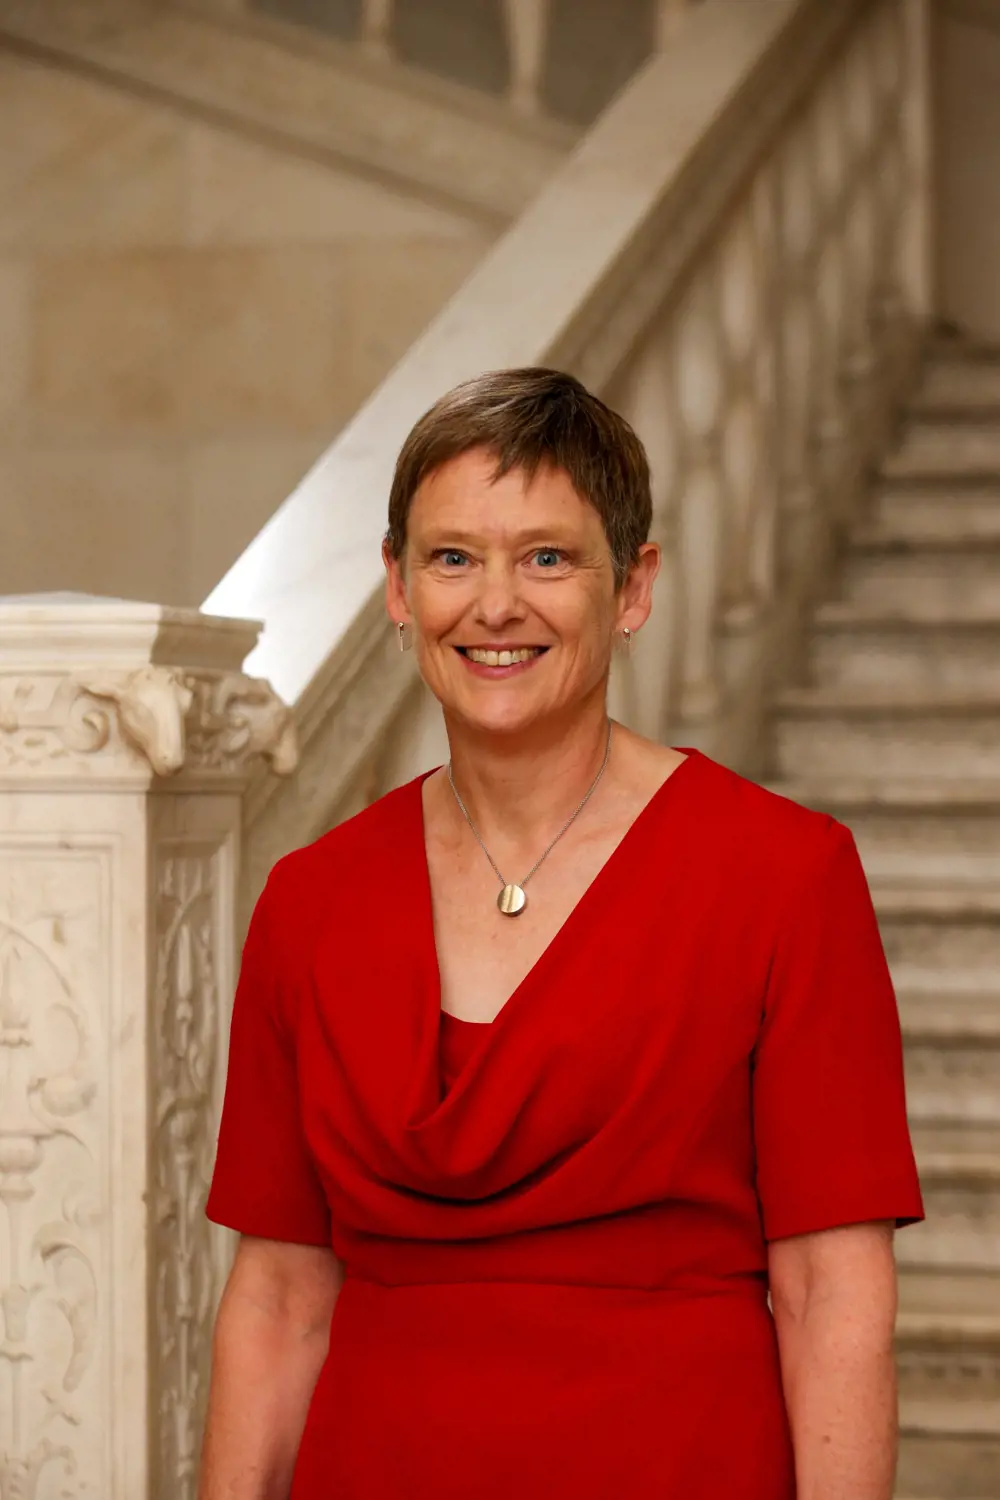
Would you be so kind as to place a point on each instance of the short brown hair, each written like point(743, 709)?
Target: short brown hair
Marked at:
point(529, 418)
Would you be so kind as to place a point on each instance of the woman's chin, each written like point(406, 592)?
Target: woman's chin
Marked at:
point(501, 719)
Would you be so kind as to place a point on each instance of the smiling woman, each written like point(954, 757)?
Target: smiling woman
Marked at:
point(517, 1197)
point(518, 523)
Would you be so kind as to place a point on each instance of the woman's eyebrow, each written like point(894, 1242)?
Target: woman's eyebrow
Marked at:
point(455, 536)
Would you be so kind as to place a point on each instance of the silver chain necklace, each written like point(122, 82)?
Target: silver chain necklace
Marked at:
point(512, 899)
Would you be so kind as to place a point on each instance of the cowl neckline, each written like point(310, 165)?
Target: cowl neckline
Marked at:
point(454, 1044)
point(539, 1095)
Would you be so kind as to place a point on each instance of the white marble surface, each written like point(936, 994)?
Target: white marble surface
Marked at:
point(127, 733)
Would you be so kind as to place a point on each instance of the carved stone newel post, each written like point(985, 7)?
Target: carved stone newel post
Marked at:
point(127, 732)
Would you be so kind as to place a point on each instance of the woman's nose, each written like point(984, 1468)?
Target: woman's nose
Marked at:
point(499, 597)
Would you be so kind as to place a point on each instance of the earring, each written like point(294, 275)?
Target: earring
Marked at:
point(404, 636)
point(627, 634)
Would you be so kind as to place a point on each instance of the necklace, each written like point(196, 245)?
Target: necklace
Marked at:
point(512, 899)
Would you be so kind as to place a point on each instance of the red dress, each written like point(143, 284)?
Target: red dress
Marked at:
point(555, 1226)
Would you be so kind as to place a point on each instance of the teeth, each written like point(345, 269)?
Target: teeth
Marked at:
point(501, 658)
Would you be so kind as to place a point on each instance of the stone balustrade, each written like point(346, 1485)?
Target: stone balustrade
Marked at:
point(525, 34)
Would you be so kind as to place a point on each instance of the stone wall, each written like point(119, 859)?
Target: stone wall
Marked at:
point(187, 317)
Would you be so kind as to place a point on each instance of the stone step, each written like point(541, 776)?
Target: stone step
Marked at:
point(949, 1449)
point(948, 1334)
point(948, 902)
point(948, 1357)
point(934, 512)
point(937, 951)
point(955, 1153)
point(928, 848)
point(934, 448)
point(950, 1082)
point(844, 796)
point(912, 648)
point(959, 1167)
point(925, 583)
point(910, 735)
point(951, 1047)
point(969, 1018)
point(962, 383)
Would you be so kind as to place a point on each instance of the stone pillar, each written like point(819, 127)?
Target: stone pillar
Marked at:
point(127, 735)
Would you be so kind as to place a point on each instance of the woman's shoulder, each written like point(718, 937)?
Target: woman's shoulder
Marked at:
point(370, 838)
point(759, 823)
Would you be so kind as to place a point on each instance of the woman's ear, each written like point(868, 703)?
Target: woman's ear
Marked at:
point(395, 586)
point(635, 598)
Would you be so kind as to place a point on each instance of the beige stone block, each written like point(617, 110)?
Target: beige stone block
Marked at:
point(233, 488)
point(104, 520)
point(190, 343)
point(262, 345)
point(84, 165)
point(110, 329)
point(242, 193)
point(15, 340)
point(394, 291)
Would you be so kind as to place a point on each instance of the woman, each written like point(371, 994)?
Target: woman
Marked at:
point(551, 1065)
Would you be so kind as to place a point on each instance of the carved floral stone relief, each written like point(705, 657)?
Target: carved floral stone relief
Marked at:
point(53, 1283)
point(185, 1040)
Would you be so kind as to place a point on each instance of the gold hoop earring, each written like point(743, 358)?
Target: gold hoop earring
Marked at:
point(404, 636)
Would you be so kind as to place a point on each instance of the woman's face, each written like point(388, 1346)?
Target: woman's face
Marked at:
point(509, 588)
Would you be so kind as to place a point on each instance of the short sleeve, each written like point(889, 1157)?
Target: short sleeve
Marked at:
point(265, 1180)
point(831, 1135)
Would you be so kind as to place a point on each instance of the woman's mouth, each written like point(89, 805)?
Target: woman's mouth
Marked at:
point(499, 658)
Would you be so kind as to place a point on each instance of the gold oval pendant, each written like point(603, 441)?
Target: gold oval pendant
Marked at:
point(511, 900)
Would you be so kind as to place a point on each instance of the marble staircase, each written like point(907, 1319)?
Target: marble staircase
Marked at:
point(897, 732)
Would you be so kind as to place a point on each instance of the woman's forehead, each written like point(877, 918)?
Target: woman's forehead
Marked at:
point(468, 490)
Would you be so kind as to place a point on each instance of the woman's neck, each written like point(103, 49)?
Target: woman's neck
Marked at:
point(526, 783)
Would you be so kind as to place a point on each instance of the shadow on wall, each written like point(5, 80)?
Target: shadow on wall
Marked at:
point(592, 47)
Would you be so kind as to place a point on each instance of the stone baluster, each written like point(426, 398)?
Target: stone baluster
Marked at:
point(527, 34)
point(915, 103)
point(890, 174)
point(700, 396)
point(743, 325)
point(376, 28)
point(840, 316)
point(762, 562)
point(850, 310)
point(668, 17)
point(127, 734)
point(798, 359)
point(643, 682)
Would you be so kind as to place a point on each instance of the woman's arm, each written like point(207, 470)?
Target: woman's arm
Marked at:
point(834, 1300)
point(270, 1341)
